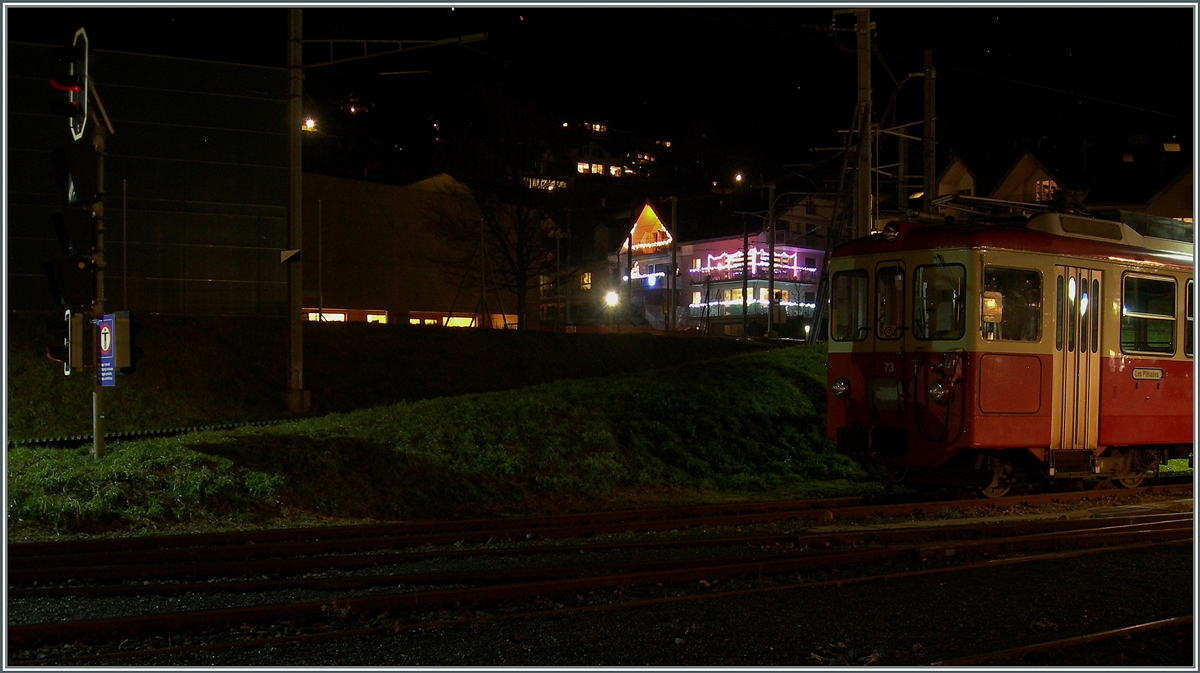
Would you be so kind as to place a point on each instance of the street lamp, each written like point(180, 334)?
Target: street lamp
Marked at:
point(610, 300)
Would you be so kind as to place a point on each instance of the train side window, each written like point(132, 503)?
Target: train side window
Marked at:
point(1148, 315)
point(851, 306)
point(939, 294)
point(1058, 316)
point(1012, 304)
point(1096, 316)
point(1187, 335)
point(889, 302)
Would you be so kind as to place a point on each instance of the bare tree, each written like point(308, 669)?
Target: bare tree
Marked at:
point(491, 159)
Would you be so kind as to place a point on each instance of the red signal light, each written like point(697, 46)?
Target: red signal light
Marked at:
point(71, 87)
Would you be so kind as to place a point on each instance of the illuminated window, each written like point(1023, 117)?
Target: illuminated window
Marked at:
point(585, 281)
point(783, 296)
point(696, 263)
point(583, 167)
point(1148, 315)
point(459, 321)
point(727, 295)
point(1187, 335)
point(380, 318)
point(327, 317)
point(598, 169)
point(737, 294)
point(1170, 147)
point(696, 297)
point(762, 294)
point(614, 171)
point(1127, 158)
point(1044, 190)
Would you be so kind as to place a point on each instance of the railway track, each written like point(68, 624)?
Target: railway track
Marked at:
point(392, 587)
point(1016, 653)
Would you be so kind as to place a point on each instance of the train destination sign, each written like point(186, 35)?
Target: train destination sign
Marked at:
point(1147, 374)
point(105, 346)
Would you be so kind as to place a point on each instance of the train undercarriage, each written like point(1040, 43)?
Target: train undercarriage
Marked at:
point(996, 472)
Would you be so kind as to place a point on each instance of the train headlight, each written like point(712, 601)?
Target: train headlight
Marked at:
point(841, 388)
point(939, 392)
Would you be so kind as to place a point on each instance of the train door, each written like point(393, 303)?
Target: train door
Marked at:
point(887, 380)
point(1076, 358)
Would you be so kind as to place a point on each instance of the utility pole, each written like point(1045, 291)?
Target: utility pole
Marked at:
point(674, 302)
point(862, 194)
point(745, 272)
point(771, 260)
point(930, 146)
point(296, 397)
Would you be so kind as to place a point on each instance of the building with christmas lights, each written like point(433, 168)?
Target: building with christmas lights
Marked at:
point(722, 284)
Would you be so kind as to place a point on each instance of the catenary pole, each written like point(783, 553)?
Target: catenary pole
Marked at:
point(862, 200)
point(295, 394)
point(930, 140)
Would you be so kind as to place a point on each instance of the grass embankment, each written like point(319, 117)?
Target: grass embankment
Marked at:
point(220, 370)
point(752, 422)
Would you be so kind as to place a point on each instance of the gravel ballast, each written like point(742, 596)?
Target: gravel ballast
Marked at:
point(901, 622)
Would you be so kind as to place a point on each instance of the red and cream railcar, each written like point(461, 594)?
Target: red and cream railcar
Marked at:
point(987, 355)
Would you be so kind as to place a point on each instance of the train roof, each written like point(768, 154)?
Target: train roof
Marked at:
point(1053, 233)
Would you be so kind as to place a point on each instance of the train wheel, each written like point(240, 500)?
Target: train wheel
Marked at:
point(1131, 482)
point(1002, 481)
point(995, 490)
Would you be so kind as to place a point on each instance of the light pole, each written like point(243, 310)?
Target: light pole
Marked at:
point(772, 201)
point(611, 299)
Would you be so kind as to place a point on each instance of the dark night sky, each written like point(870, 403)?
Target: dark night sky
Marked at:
point(761, 83)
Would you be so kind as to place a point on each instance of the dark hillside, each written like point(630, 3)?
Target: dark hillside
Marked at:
point(221, 370)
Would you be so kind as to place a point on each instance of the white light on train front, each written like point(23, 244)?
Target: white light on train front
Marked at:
point(1071, 289)
point(841, 388)
point(939, 392)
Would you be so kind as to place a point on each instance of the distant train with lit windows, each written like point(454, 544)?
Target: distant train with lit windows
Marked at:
point(991, 355)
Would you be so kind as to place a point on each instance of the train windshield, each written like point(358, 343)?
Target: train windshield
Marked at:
point(850, 305)
point(1012, 305)
point(939, 312)
point(889, 302)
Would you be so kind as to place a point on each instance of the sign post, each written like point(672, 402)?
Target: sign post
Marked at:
point(106, 349)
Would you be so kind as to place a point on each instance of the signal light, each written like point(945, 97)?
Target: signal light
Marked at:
point(75, 230)
point(74, 83)
point(71, 279)
point(67, 344)
point(125, 333)
point(75, 171)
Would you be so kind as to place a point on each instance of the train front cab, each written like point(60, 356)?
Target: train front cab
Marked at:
point(987, 366)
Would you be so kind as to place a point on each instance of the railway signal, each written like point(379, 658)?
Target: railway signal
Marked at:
point(74, 83)
point(126, 329)
point(67, 345)
point(71, 277)
point(75, 172)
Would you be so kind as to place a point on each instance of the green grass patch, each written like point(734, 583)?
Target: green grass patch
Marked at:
point(200, 371)
point(746, 424)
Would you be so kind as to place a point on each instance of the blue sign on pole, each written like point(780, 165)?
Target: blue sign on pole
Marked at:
point(107, 350)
